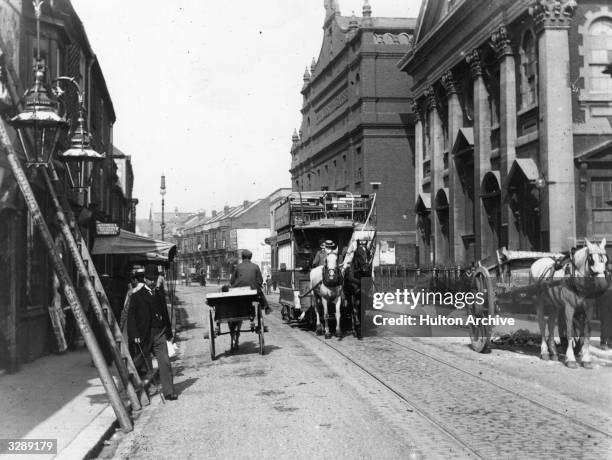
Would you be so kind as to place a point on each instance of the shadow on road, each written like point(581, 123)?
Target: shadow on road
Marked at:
point(248, 348)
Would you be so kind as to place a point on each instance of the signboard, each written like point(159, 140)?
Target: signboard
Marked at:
point(107, 229)
point(281, 216)
point(233, 242)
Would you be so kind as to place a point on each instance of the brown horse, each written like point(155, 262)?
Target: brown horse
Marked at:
point(569, 290)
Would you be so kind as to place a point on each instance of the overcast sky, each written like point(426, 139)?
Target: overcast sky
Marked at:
point(208, 92)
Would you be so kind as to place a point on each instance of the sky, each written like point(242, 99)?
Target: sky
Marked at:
point(207, 92)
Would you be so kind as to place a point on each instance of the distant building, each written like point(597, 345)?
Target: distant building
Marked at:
point(357, 125)
point(513, 132)
point(214, 243)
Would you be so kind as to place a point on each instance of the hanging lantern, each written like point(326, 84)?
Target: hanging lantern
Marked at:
point(39, 125)
point(81, 155)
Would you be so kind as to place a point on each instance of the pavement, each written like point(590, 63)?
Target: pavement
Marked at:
point(56, 397)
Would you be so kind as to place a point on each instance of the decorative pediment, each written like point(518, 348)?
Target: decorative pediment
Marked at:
point(464, 140)
point(599, 153)
point(431, 14)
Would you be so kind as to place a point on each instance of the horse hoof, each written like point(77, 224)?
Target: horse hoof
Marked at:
point(571, 364)
point(545, 357)
point(319, 332)
point(327, 335)
point(587, 365)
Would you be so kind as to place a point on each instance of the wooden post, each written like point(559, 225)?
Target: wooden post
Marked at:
point(91, 292)
point(69, 290)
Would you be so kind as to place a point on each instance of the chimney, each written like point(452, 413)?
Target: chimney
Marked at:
point(246, 203)
point(226, 209)
point(214, 213)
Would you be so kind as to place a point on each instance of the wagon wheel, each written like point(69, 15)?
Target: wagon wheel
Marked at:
point(260, 324)
point(481, 335)
point(211, 335)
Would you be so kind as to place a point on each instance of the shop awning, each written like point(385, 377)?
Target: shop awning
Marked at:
point(140, 247)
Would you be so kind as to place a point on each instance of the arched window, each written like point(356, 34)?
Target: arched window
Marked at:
point(599, 45)
point(529, 71)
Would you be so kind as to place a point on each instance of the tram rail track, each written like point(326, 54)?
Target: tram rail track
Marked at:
point(583, 431)
point(502, 387)
point(436, 423)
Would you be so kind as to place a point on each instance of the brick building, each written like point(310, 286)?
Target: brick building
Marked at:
point(357, 129)
point(25, 271)
point(513, 133)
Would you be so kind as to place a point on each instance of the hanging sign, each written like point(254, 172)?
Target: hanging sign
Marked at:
point(107, 229)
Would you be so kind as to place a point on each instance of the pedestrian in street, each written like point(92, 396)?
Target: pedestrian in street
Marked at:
point(268, 282)
point(149, 328)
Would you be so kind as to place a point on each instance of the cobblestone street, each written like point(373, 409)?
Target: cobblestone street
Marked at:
point(376, 398)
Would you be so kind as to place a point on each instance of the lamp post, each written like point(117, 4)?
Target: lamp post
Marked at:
point(162, 192)
point(39, 126)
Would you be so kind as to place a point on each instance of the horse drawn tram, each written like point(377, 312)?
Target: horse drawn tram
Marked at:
point(558, 287)
point(303, 220)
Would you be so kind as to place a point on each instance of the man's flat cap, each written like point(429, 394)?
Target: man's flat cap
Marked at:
point(246, 254)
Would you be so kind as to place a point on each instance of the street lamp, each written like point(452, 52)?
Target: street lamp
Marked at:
point(162, 192)
point(39, 125)
point(80, 152)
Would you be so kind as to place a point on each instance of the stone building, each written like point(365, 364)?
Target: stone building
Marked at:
point(513, 132)
point(25, 269)
point(357, 129)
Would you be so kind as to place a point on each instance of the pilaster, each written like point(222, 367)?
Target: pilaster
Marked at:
point(502, 44)
point(456, 204)
point(437, 166)
point(558, 198)
point(482, 149)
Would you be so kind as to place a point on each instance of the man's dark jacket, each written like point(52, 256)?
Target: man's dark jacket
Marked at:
point(247, 274)
point(147, 310)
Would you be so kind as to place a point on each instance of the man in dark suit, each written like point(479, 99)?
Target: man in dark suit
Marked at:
point(248, 274)
point(149, 328)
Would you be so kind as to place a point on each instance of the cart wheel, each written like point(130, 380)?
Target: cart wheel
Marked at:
point(260, 323)
point(481, 335)
point(211, 335)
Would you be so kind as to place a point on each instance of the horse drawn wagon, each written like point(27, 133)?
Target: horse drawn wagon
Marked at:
point(233, 307)
point(302, 221)
point(551, 285)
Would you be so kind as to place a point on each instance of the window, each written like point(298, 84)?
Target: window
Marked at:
point(601, 194)
point(599, 45)
point(50, 56)
point(529, 71)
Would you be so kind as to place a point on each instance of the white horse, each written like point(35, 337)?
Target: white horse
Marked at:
point(564, 292)
point(326, 284)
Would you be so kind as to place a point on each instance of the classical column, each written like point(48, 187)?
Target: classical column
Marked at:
point(482, 155)
point(552, 19)
point(456, 202)
point(500, 42)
